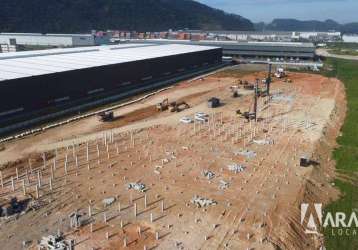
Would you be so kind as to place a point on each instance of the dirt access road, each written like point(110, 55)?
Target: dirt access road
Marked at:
point(325, 53)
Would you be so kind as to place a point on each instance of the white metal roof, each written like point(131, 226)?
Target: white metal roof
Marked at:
point(33, 63)
point(46, 52)
point(219, 43)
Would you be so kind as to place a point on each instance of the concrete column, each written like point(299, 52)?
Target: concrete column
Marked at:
point(135, 209)
point(44, 160)
point(23, 187)
point(30, 166)
point(162, 206)
point(12, 184)
point(87, 152)
point(54, 164)
point(27, 177)
point(66, 167)
point(37, 191)
point(52, 173)
point(39, 179)
point(73, 150)
point(1, 179)
point(125, 242)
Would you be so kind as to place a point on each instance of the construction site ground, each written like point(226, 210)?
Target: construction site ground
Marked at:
point(258, 208)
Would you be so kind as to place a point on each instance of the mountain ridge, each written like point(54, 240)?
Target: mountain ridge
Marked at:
point(74, 16)
point(288, 24)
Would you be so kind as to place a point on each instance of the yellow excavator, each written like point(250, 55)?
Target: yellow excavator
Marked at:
point(163, 105)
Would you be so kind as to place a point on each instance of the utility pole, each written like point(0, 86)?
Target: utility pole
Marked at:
point(268, 79)
point(255, 98)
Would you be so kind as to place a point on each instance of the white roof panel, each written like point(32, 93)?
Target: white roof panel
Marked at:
point(47, 52)
point(32, 63)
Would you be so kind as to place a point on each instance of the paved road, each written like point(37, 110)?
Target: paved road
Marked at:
point(325, 53)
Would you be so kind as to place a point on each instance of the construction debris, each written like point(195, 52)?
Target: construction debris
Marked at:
point(13, 206)
point(75, 221)
point(223, 185)
point(136, 186)
point(247, 153)
point(208, 174)
point(57, 242)
point(108, 201)
point(202, 202)
point(236, 168)
point(263, 142)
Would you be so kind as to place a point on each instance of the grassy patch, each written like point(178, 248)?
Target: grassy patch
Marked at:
point(343, 48)
point(346, 155)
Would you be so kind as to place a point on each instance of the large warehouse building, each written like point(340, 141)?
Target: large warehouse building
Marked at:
point(41, 82)
point(271, 50)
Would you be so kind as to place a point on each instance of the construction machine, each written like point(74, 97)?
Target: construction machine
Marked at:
point(234, 91)
point(249, 86)
point(178, 106)
point(280, 73)
point(106, 116)
point(247, 114)
point(268, 79)
point(163, 105)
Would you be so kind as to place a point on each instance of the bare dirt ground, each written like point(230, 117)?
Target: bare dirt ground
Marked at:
point(257, 209)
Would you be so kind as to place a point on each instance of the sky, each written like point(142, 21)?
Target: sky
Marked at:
point(342, 11)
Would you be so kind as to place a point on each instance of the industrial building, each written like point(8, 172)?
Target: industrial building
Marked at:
point(272, 50)
point(58, 40)
point(350, 38)
point(271, 36)
point(35, 83)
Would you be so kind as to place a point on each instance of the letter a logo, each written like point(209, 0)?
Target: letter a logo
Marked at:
point(311, 225)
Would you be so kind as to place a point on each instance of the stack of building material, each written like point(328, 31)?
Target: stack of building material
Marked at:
point(236, 168)
point(202, 202)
